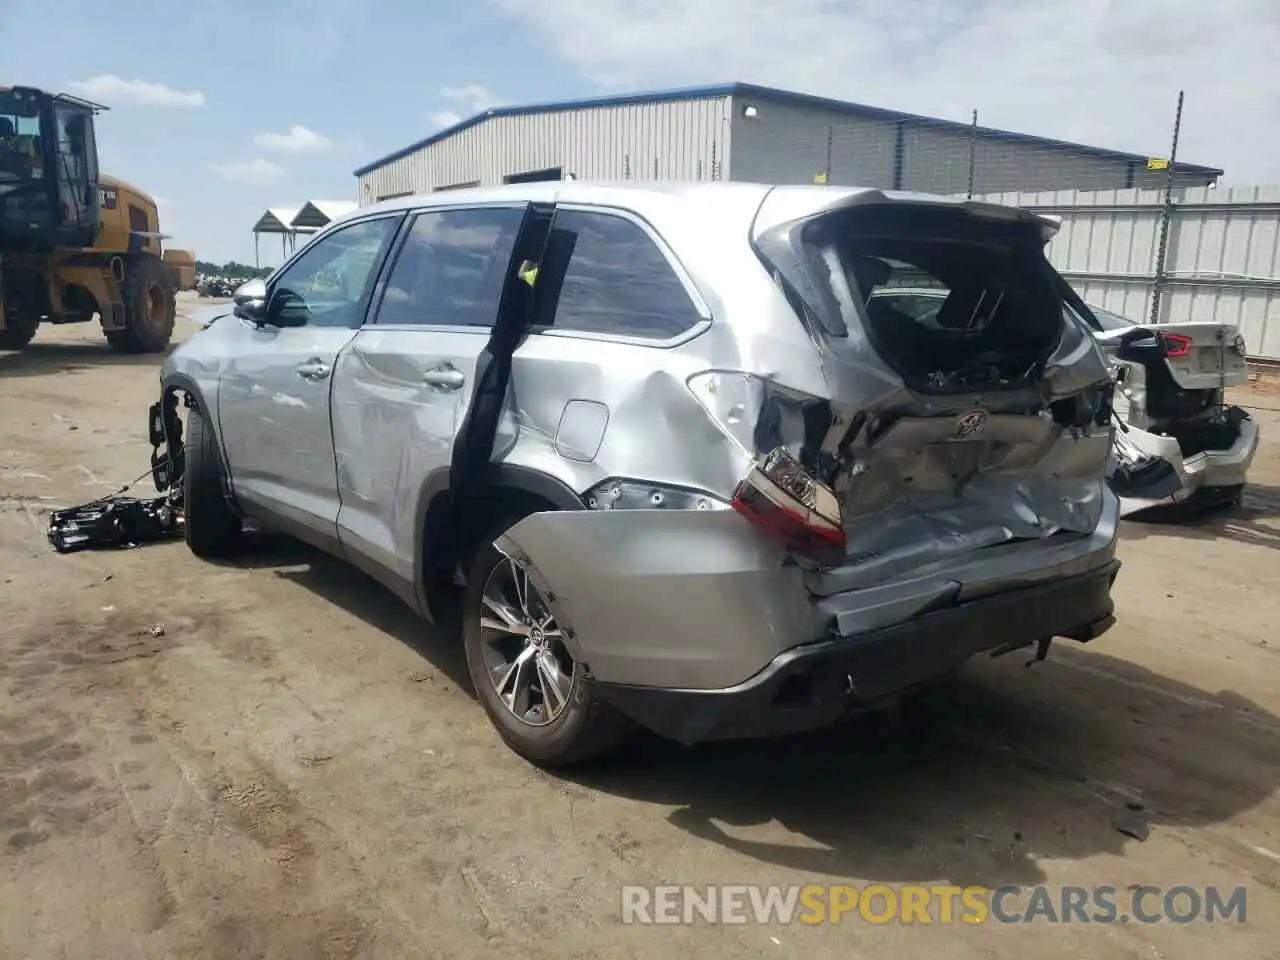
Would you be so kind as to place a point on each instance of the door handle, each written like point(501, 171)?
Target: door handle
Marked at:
point(314, 370)
point(445, 377)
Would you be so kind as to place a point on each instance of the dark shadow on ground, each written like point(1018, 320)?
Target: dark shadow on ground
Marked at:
point(42, 359)
point(974, 783)
point(337, 582)
point(1256, 521)
point(978, 781)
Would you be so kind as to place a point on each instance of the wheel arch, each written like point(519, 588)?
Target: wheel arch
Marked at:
point(178, 382)
point(447, 541)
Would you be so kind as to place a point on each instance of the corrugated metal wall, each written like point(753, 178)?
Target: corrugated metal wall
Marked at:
point(788, 144)
point(784, 143)
point(676, 140)
point(1222, 264)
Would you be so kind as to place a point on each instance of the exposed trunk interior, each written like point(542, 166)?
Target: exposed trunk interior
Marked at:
point(1197, 417)
point(1001, 316)
point(1167, 401)
point(1002, 432)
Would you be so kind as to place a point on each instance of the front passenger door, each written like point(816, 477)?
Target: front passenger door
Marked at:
point(407, 379)
point(273, 397)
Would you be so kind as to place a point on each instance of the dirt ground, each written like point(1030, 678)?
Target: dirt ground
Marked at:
point(294, 767)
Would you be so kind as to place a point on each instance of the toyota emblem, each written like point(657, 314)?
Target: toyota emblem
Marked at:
point(970, 423)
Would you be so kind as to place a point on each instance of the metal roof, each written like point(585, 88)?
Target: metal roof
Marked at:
point(318, 213)
point(773, 95)
point(276, 220)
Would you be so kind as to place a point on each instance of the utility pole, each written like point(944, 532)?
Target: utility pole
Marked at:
point(1165, 216)
point(973, 152)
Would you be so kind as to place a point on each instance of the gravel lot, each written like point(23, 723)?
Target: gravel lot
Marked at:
point(295, 766)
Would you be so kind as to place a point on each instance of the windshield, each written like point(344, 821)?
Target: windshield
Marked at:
point(20, 148)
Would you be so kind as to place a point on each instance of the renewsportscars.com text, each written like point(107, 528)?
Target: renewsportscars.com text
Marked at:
point(932, 904)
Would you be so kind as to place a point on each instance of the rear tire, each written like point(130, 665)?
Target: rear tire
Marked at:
point(212, 529)
point(585, 728)
point(149, 308)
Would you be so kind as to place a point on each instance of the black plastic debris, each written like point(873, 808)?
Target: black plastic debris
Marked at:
point(1150, 479)
point(1133, 822)
point(119, 522)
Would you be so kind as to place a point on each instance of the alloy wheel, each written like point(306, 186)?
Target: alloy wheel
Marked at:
point(524, 653)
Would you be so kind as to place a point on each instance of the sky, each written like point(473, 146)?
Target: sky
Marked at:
point(223, 108)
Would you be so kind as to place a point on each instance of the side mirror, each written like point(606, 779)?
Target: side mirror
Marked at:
point(250, 301)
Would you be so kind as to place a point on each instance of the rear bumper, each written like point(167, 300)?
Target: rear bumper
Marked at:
point(1205, 473)
point(817, 684)
point(702, 600)
point(1224, 468)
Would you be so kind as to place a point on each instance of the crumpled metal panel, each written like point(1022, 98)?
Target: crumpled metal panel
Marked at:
point(666, 598)
point(701, 600)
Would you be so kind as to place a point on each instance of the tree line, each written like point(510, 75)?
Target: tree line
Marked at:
point(231, 269)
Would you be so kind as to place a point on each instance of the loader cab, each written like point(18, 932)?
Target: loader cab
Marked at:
point(49, 194)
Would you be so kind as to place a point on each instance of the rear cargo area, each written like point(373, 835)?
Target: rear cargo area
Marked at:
point(950, 435)
point(1001, 315)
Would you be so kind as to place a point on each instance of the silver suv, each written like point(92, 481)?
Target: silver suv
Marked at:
point(677, 465)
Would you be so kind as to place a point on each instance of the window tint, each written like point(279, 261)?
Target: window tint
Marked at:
point(617, 281)
point(328, 284)
point(451, 268)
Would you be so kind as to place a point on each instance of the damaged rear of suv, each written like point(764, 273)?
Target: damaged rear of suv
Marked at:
point(841, 501)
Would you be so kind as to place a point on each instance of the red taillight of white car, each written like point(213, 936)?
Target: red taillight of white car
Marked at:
point(1175, 345)
point(780, 496)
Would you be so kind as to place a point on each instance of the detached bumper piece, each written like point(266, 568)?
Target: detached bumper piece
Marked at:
point(117, 522)
point(1139, 475)
point(818, 684)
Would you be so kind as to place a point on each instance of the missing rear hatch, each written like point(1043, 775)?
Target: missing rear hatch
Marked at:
point(997, 324)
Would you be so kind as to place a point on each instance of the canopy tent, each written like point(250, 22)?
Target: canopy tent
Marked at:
point(288, 222)
point(318, 214)
point(276, 220)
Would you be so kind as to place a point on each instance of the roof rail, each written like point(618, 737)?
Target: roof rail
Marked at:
point(79, 102)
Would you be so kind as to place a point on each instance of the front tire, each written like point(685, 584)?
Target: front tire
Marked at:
point(18, 330)
point(149, 309)
point(212, 529)
point(535, 694)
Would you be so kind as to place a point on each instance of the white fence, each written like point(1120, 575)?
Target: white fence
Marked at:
point(1222, 259)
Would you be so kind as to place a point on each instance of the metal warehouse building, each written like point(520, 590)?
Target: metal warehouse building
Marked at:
point(746, 132)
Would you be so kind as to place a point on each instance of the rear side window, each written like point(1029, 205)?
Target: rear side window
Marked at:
point(451, 268)
point(616, 280)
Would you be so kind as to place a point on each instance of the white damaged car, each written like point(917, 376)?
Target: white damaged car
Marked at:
point(1171, 407)
point(1178, 439)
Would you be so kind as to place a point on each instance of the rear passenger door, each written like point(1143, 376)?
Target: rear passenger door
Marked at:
point(403, 385)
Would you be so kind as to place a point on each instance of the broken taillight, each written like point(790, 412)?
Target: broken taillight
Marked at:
point(1175, 345)
point(779, 495)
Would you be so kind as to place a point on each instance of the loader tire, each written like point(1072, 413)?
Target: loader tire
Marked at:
point(149, 308)
point(18, 330)
point(213, 530)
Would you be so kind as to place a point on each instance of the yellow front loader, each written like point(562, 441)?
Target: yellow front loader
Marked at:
point(75, 243)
